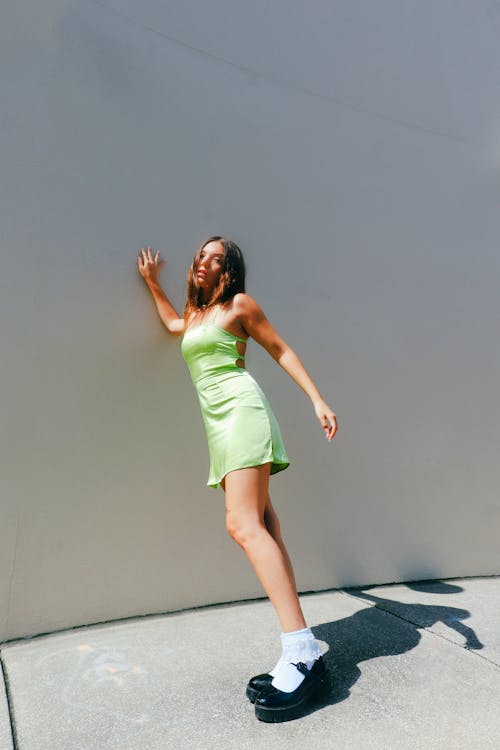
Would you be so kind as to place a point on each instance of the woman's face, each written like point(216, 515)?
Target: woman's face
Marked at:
point(210, 265)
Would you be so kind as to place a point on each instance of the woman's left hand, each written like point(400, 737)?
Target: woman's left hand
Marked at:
point(325, 415)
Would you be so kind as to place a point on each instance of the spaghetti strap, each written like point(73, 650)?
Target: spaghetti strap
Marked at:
point(216, 311)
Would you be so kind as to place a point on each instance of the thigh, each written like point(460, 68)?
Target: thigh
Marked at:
point(246, 491)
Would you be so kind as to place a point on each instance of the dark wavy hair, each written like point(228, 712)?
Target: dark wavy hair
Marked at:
point(231, 280)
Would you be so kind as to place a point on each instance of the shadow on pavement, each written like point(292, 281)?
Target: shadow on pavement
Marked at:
point(387, 629)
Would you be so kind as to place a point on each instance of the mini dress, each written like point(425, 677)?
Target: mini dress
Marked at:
point(240, 425)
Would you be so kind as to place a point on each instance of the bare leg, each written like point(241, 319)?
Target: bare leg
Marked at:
point(247, 498)
point(272, 523)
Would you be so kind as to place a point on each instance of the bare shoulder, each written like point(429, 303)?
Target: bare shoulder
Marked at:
point(252, 318)
point(246, 308)
point(177, 326)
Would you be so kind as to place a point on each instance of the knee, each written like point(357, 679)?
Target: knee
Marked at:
point(241, 530)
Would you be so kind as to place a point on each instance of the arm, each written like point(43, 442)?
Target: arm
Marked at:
point(259, 328)
point(149, 268)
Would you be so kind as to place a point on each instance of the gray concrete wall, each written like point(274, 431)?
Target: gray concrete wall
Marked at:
point(352, 150)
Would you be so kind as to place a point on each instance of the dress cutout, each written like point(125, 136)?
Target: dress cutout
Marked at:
point(239, 423)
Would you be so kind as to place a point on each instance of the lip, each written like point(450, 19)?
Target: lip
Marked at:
point(201, 273)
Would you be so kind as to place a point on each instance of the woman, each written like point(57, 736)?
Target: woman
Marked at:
point(245, 447)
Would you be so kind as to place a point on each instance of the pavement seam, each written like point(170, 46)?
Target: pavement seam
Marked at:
point(10, 707)
point(422, 627)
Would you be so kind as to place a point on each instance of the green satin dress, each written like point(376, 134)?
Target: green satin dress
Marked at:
point(240, 425)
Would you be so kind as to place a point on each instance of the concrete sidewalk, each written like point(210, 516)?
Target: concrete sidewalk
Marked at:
point(412, 665)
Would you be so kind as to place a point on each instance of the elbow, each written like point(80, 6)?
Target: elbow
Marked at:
point(279, 352)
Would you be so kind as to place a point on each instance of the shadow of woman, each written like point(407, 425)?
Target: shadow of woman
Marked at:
point(389, 628)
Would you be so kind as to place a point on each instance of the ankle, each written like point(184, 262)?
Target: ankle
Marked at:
point(297, 628)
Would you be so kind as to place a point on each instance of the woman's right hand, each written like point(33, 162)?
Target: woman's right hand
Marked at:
point(148, 266)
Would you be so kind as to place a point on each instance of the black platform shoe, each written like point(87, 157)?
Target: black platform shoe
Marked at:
point(275, 705)
point(257, 684)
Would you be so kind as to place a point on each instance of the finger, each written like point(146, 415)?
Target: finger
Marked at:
point(330, 429)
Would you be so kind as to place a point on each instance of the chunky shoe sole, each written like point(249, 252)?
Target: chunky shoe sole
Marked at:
point(293, 711)
point(287, 713)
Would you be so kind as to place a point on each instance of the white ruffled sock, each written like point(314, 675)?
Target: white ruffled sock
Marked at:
point(297, 645)
point(274, 671)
